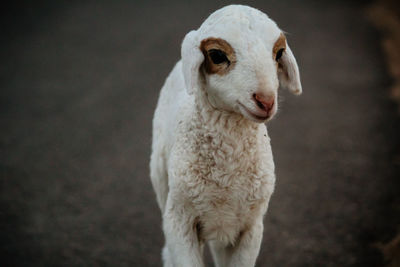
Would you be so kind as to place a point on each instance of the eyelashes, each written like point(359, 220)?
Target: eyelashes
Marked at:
point(218, 56)
point(279, 54)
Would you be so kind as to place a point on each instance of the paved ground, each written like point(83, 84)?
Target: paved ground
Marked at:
point(79, 83)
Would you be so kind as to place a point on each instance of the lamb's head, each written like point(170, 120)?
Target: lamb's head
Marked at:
point(239, 57)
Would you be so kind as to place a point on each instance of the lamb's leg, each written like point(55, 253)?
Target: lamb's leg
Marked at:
point(244, 253)
point(183, 248)
point(159, 178)
point(166, 257)
point(219, 253)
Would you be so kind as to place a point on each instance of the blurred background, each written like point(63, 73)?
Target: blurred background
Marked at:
point(79, 81)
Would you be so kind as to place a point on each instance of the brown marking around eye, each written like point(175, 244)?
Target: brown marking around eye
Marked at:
point(279, 44)
point(220, 44)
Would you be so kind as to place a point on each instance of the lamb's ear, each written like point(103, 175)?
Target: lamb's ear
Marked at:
point(288, 72)
point(192, 58)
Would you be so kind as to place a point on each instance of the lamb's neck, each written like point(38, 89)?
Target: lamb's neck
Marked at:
point(212, 119)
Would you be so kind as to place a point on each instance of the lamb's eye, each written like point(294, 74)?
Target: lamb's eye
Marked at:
point(217, 56)
point(279, 54)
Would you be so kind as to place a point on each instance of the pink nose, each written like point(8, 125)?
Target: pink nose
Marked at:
point(264, 103)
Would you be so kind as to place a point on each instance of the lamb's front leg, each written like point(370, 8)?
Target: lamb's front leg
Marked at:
point(183, 248)
point(244, 253)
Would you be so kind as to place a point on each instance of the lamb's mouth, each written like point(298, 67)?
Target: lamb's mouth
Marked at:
point(252, 114)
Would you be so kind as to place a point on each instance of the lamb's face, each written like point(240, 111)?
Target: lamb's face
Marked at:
point(242, 75)
point(240, 57)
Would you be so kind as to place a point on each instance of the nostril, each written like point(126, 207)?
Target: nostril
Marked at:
point(263, 102)
point(260, 105)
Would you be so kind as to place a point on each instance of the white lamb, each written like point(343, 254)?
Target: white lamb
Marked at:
point(211, 164)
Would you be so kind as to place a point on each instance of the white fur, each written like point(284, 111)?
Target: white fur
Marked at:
point(211, 164)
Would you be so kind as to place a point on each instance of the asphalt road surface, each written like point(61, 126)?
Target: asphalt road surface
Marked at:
point(79, 83)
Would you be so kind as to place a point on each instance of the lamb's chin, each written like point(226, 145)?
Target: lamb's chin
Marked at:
point(245, 112)
point(255, 118)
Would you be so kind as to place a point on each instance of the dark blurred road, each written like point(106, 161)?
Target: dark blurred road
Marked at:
point(78, 85)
